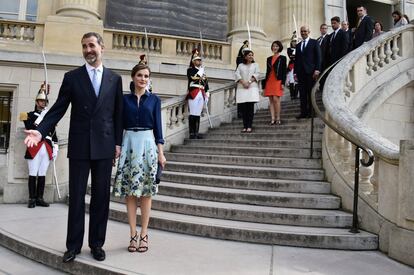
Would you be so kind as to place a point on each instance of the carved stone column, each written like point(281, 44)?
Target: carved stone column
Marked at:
point(243, 11)
point(87, 9)
point(73, 18)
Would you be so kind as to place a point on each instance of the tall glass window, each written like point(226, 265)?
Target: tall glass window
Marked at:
point(18, 9)
point(9, 9)
point(5, 120)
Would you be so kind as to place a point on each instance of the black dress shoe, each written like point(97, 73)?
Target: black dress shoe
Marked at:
point(98, 253)
point(31, 203)
point(69, 256)
point(41, 202)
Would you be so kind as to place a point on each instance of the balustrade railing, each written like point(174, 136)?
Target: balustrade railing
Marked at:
point(136, 42)
point(17, 30)
point(211, 50)
point(349, 90)
point(221, 106)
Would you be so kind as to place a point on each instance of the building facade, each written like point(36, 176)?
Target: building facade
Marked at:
point(166, 30)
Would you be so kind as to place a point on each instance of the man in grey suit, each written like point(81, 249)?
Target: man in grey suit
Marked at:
point(95, 94)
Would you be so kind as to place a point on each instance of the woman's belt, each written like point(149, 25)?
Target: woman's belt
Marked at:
point(137, 129)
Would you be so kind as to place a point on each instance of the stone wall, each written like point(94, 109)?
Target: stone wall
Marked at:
point(394, 119)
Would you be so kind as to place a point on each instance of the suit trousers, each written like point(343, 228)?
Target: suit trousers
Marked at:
point(305, 84)
point(99, 204)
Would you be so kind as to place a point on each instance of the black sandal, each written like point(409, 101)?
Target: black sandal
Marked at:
point(131, 247)
point(143, 248)
point(272, 122)
point(278, 122)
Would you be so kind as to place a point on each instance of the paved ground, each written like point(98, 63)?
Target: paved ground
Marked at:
point(172, 253)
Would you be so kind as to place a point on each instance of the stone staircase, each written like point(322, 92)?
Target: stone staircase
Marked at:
point(260, 187)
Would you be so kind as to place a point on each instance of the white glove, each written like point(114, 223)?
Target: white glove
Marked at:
point(55, 151)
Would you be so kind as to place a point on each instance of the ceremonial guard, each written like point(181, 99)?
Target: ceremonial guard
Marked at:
point(197, 93)
point(39, 156)
point(291, 79)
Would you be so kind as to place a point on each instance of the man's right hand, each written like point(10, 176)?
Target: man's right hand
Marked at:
point(33, 138)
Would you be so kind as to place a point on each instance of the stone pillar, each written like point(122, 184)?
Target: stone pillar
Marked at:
point(73, 19)
point(87, 9)
point(243, 11)
point(306, 12)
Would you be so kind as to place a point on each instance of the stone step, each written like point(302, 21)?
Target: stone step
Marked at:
point(269, 130)
point(283, 127)
point(259, 172)
point(244, 160)
point(257, 135)
point(316, 237)
point(288, 121)
point(250, 183)
point(252, 143)
point(252, 197)
point(246, 151)
point(250, 213)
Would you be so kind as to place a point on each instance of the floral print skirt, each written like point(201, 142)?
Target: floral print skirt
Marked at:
point(137, 166)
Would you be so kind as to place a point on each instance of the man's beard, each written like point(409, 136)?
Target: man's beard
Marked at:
point(91, 59)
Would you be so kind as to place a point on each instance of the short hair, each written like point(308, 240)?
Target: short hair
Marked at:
point(361, 6)
point(323, 25)
point(382, 27)
point(245, 53)
point(138, 68)
point(336, 18)
point(397, 13)
point(95, 34)
point(279, 44)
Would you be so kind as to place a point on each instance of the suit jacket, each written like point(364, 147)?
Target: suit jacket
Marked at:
point(324, 44)
point(309, 61)
point(349, 37)
point(95, 123)
point(279, 68)
point(363, 32)
point(338, 46)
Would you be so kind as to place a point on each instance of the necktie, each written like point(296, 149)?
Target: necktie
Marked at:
point(95, 83)
point(303, 45)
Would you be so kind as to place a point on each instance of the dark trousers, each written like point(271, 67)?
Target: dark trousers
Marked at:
point(99, 204)
point(247, 112)
point(193, 125)
point(306, 83)
point(293, 89)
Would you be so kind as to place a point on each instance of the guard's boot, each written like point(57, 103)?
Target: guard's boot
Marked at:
point(40, 190)
point(32, 192)
point(197, 127)
point(192, 126)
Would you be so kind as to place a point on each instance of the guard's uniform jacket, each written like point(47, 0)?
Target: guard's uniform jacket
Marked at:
point(30, 125)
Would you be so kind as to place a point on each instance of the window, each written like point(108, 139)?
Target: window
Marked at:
point(5, 119)
point(18, 9)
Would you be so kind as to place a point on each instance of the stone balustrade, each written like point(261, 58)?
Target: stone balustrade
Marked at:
point(17, 30)
point(354, 91)
point(136, 42)
point(221, 106)
point(211, 50)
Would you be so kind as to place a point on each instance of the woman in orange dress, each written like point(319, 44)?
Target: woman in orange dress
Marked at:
point(275, 78)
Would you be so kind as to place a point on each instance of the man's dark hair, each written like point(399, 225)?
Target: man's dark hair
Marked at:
point(95, 34)
point(323, 25)
point(336, 18)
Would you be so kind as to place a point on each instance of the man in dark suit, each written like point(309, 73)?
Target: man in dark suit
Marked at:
point(323, 42)
point(307, 69)
point(348, 32)
point(364, 28)
point(95, 94)
point(338, 41)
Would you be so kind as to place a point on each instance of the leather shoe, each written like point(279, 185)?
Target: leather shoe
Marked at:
point(69, 256)
point(98, 253)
